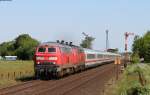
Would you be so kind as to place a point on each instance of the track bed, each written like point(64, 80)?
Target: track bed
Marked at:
point(89, 82)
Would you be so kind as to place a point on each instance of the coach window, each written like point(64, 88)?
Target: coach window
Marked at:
point(100, 56)
point(51, 49)
point(41, 49)
point(105, 56)
point(90, 56)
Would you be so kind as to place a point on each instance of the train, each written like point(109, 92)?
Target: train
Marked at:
point(60, 58)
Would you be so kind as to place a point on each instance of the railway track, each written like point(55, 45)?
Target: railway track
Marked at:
point(19, 87)
point(59, 87)
point(72, 84)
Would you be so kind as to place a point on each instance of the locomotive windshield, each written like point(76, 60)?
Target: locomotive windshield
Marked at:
point(41, 49)
point(51, 49)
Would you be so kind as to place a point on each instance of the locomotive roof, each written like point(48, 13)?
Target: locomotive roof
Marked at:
point(53, 44)
point(85, 49)
point(58, 44)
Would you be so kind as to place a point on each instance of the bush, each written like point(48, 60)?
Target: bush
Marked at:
point(135, 58)
point(135, 81)
point(142, 46)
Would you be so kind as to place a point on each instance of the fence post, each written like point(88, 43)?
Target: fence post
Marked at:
point(2, 76)
point(20, 74)
point(14, 75)
point(8, 75)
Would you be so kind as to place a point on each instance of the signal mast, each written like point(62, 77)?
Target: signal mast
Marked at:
point(107, 40)
point(127, 34)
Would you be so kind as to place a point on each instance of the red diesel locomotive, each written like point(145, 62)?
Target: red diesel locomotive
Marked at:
point(58, 59)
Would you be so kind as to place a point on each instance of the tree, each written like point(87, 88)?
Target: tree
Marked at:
point(137, 46)
point(7, 48)
point(23, 47)
point(146, 46)
point(87, 42)
point(142, 46)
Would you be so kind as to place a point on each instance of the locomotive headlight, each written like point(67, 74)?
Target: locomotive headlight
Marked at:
point(38, 62)
point(52, 58)
point(39, 58)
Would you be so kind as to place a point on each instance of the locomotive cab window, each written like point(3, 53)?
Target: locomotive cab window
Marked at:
point(41, 49)
point(51, 49)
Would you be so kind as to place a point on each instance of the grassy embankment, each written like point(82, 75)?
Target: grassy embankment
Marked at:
point(12, 71)
point(134, 81)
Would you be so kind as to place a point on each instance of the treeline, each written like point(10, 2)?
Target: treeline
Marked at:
point(23, 47)
point(141, 46)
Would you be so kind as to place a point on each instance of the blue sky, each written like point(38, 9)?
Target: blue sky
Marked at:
point(49, 20)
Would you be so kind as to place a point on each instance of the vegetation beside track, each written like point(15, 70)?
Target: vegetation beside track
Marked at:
point(12, 72)
point(134, 81)
point(141, 46)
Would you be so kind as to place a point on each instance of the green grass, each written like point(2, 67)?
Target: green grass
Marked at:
point(12, 72)
point(16, 66)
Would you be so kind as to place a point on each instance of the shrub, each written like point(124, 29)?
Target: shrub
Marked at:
point(135, 81)
point(135, 58)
